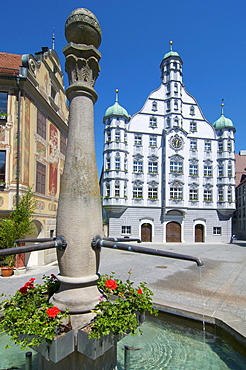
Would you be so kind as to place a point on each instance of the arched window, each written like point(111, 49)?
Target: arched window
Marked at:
point(229, 146)
point(176, 121)
point(117, 135)
point(108, 135)
point(154, 106)
point(192, 110)
point(108, 163)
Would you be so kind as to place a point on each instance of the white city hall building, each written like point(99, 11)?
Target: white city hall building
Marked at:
point(168, 174)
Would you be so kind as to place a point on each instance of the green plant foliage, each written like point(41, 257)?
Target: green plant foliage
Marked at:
point(28, 317)
point(18, 224)
point(119, 306)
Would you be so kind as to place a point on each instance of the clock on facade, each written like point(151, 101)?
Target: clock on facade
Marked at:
point(176, 142)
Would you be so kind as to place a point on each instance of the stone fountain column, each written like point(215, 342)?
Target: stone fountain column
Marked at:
point(79, 216)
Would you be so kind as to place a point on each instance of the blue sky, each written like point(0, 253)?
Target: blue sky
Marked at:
point(210, 36)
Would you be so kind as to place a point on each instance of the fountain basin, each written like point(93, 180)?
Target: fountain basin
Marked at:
point(229, 329)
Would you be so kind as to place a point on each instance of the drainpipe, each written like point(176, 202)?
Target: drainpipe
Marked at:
point(18, 143)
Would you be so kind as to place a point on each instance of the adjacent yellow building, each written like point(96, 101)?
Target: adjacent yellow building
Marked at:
point(33, 135)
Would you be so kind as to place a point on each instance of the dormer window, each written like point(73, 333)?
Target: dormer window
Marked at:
point(154, 106)
point(192, 110)
point(193, 126)
point(175, 65)
point(176, 121)
point(153, 121)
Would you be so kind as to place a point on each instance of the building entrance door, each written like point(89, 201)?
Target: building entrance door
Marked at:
point(173, 232)
point(199, 233)
point(146, 233)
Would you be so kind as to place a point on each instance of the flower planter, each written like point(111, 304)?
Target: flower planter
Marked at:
point(94, 348)
point(62, 346)
point(7, 271)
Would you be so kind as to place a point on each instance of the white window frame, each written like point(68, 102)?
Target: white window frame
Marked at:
point(152, 141)
point(217, 230)
point(176, 167)
point(116, 190)
point(207, 195)
point(138, 166)
point(137, 192)
point(193, 169)
point(207, 171)
point(117, 163)
point(126, 230)
point(152, 193)
point(138, 140)
point(176, 193)
point(193, 194)
point(153, 167)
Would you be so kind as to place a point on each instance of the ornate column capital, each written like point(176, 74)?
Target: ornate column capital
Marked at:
point(82, 67)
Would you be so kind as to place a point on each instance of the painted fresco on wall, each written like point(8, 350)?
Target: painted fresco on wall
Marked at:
point(53, 158)
point(2, 133)
point(52, 207)
point(41, 150)
point(27, 141)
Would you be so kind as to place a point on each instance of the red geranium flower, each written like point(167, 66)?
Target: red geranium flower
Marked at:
point(111, 284)
point(53, 276)
point(23, 290)
point(32, 279)
point(140, 291)
point(53, 311)
point(29, 284)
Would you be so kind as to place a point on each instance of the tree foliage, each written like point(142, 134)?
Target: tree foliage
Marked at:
point(19, 223)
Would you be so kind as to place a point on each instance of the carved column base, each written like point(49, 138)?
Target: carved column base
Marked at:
point(79, 296)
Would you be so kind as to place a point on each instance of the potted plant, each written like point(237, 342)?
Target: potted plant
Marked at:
point(119, 312)
point(7, 270)
point(30, 320)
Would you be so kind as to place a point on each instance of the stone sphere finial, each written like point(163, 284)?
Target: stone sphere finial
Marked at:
point(82, 27)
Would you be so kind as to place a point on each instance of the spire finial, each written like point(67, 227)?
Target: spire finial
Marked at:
point(222, 107)
point(53, 40)
point(116, 97)
point(171, 45)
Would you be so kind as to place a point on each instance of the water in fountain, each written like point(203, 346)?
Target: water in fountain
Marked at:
point(165, 345)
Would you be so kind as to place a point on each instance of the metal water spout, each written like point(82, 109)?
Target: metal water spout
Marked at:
point(97, 243)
